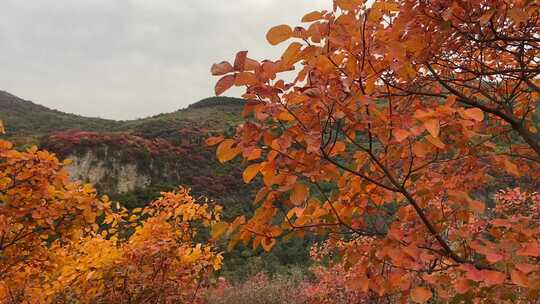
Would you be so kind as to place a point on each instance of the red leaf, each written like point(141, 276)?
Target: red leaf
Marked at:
point(531, 249)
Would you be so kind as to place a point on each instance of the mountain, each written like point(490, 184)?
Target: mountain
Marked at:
point(133, 160)
point(27, 121)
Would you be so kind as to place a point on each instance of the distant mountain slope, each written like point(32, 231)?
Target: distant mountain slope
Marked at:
point(26, 122)
point(119, 157)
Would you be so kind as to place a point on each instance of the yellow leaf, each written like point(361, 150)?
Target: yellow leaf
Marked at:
point(433, 127)
point(2, 128)
point(278, 34)
point(250, 172)
point(225, 151)
point(421, 294)
point(218, 229)
point(313, 16)
point(299, 194)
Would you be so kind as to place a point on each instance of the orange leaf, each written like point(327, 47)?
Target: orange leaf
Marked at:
point(226, 152)
point(420, 149)
point(436, 142)
point(348, 4)
point(299, 194)
point(225, 83)
point(221, 68)
point(401, 134)
point(492, 277)
point(475, 114)
point(278, 34)
point(250, 172)
point(240, 61)
point(433, 127)
point(253, 154)
point(421, 294)
point(486, 16)
point(218, 229)
point(519, 278)
point(268, 243)
point(245, 78)
point(462, 285)
point(358, 284)
point(285, 116)
point(212, 141)
point(2, 128)
point(290, 56)
point(477, 206)
point(386, 6)
point(313, 16)
point(511, 168)
point(251, 64)
point(337, 148)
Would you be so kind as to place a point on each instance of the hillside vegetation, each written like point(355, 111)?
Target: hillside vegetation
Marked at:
point(27, 121)
point(134, 161)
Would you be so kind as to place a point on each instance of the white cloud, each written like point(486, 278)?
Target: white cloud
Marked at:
point(131, 58)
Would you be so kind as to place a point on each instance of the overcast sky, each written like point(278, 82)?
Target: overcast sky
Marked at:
point(124, 59)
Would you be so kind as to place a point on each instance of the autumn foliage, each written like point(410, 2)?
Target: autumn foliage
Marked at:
point(384, 125)
point(60, 243)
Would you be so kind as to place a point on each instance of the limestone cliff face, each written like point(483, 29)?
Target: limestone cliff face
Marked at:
point(107, 171)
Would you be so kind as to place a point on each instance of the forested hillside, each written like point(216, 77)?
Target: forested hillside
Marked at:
point(121, 157)
point(133, 161)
